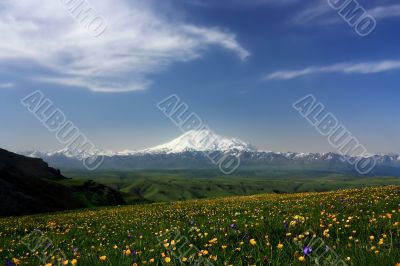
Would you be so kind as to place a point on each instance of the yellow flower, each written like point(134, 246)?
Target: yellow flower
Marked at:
point(103, 258)
point(301, 258)
point(127, 252)
point(151, 260)
point(326, 233)
point(371, 238)
point(16, 261)
point(253, 242)
point(65, 262)
point(74, 262)
point(49, 264)
point(167, 259)
point(280, 246)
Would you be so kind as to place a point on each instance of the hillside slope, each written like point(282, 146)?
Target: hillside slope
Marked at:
point(28, 185)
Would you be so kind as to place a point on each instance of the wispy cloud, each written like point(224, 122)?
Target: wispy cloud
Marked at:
point(138, 42)
point(6, 85)
point(385, 11)
point(317, 11)
point(240, 3)
point(346, 68)
point(320, 13)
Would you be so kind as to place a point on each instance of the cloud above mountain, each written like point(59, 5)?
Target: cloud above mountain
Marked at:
point(344, 68)
point(138, 41)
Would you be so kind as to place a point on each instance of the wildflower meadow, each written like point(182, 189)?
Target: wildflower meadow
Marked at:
point(352, 227)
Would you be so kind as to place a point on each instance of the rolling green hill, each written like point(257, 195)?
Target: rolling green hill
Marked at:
point(172, 185)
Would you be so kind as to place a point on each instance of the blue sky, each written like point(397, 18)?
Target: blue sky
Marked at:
point(238, 64)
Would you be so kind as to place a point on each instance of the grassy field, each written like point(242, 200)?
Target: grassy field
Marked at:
point(156, 186)
point(359, 226)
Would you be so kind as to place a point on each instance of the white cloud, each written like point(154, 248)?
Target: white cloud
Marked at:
point(139, 41)
point(346, 68)
point(320, 13)
point(385, 11)
point(317, 11)
point(217, 37)
point(6, 85)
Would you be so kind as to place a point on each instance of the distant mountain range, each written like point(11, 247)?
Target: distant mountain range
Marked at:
point(188, 142)
point(189, 151)
point(29, 185)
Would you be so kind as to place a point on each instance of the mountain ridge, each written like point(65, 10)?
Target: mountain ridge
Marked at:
point(191, 150)
point(189, 141)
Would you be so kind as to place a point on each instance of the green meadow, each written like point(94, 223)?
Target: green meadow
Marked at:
point(344, 227)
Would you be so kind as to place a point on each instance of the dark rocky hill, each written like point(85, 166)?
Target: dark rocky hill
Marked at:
point(29, 185)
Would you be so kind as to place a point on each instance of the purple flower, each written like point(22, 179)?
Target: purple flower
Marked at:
point(8, 263)
point(234, 226)
point(286, 225)
point(307, 250)
point(134, 255)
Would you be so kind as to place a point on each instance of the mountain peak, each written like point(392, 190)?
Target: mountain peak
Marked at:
point(200, 140)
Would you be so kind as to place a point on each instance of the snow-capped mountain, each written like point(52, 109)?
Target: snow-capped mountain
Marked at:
point(201, 140)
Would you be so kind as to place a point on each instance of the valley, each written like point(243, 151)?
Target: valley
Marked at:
point(172, 185)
